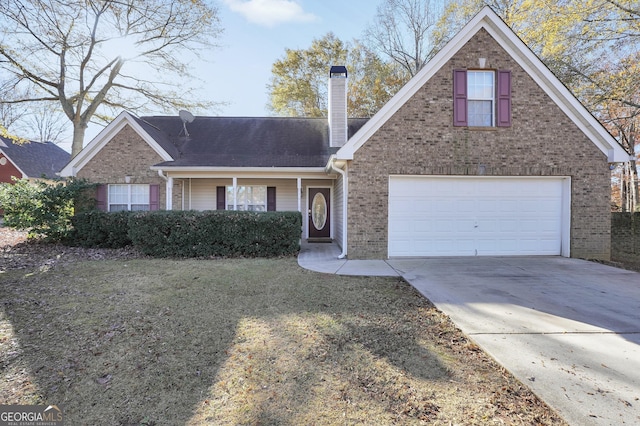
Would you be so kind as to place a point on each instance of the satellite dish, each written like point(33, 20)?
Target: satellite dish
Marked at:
point(186, 116)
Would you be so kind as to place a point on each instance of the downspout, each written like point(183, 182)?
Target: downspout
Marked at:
point(168, 203)
point(343, 173)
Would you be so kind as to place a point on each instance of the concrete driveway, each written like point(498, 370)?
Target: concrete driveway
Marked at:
point(569, 329)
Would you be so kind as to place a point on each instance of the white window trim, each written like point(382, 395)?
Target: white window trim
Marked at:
point(234, 203)
point(492, 99)
point(129, 192)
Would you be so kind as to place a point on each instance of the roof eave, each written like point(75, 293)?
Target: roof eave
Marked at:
point(24, 175)
point(558, 92)
point(220, 171)
point(521, 53)
point(97, 143)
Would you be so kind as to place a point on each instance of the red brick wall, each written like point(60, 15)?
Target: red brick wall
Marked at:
point(420, 139)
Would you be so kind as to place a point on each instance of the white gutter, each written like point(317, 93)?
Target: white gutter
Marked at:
point(331, 166)
point(168, 202)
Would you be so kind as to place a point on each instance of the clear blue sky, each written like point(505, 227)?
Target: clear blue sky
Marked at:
point(256, 35)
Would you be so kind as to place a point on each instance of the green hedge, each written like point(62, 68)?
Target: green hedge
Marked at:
point(625, 234)
point(191, 233)
point(95, 228)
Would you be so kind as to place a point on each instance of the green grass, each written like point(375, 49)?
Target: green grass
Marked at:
point(242, 342)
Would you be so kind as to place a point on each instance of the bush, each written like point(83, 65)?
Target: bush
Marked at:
point(96, 228)
point(216, 233)
point(44, 209)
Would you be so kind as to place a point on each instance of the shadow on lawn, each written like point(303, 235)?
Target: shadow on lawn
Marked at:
point(144, 341)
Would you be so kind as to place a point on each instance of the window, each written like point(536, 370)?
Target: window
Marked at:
point(480, 98)
point(128, 197)
point(249, 198)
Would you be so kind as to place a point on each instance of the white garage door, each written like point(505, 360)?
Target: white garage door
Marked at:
point(476, 216)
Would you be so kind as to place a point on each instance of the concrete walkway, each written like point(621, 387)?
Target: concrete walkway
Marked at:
point(569, 329)
point(323, 257)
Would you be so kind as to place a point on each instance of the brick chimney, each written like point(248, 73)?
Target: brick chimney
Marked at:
point(337, 106)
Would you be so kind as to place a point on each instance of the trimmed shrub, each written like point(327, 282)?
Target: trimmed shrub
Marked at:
point(216, 233)
point(625, 234)
point(45, 209)
point(96, 228)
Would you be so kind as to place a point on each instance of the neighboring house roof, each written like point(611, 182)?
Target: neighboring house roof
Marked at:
point(519, 51)
point(249, 141)
point(35, 159)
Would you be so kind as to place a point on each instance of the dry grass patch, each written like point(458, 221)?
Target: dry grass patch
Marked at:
point(242, 342)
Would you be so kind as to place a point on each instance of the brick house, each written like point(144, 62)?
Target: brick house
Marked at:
point(483, 152)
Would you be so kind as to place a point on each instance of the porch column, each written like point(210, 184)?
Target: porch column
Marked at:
point(300, 195)
point(235, 193)
point(169, 201)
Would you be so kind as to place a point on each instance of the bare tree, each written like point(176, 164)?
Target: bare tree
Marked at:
point(10, 113)
point(403, 30)
point(593, 47)
point(80, 54)
point(45, 124)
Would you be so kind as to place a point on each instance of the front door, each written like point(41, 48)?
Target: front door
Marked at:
point(319, 213)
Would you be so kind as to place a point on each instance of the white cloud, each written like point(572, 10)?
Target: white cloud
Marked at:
point(270, 12)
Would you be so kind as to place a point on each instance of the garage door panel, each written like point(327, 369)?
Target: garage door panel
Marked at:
point(423, 225)
point(474, 216)
point(508, 225)
point(442, 225)
point(465, 206)
point(462, 226)
point(402, 204)
point(508, 206)
point(487, 206)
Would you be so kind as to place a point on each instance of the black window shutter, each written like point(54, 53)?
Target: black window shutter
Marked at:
point(271, 198)
point(221, 194)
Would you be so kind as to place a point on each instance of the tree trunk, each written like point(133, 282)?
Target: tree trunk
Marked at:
point(629, 187)
point(79, 128)
point(633, 186)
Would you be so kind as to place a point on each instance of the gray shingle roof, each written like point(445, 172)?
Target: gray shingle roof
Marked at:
point(36, 159)
point(245, 141)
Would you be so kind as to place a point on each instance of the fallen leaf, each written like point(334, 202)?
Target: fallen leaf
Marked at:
point(104, 380)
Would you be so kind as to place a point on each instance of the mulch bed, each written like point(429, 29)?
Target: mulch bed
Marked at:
point(18, 252)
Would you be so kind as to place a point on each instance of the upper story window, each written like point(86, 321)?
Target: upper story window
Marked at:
point(482, 98)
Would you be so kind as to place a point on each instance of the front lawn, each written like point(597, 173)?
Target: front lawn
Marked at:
point(242, 342)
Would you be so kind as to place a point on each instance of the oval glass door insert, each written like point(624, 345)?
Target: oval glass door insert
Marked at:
point(319, 211)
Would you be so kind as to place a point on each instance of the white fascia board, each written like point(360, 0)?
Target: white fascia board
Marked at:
point(99, 142)
point(24, 175)
point(521, 53)
point(334, 162)
point(557, 91)
point(413, 85)
point(244, 172)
